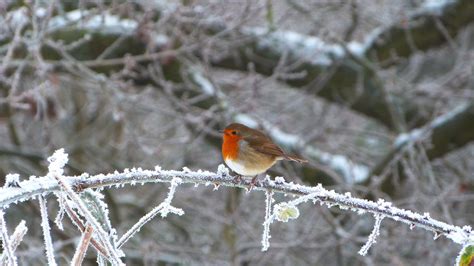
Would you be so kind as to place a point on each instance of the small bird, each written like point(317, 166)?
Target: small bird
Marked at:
point(250, 152)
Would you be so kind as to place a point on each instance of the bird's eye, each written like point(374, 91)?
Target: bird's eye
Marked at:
point(234, 132)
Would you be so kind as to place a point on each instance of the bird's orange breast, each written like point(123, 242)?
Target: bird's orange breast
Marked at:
point(230, 148)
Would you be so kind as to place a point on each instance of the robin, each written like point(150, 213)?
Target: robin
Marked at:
point(250, 152)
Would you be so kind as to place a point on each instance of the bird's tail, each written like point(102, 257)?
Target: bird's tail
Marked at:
point(295, 158)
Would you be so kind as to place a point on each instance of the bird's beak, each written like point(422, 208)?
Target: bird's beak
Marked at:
point(221, 131)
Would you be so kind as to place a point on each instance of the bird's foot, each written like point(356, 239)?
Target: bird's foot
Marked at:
point(237, 179)
point(253, 183)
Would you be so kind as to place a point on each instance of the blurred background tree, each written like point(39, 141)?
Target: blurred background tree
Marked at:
point(378, 96)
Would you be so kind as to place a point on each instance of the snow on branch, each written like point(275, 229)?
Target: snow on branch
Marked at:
point(373, 236)
point(74, 186)
point(266, 224)
point(48, 243)
point(57, 163)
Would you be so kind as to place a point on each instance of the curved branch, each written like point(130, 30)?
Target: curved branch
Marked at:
point(44, 185)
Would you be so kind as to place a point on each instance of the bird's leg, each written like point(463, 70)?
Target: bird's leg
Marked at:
point(237, 179)
point(253, 183)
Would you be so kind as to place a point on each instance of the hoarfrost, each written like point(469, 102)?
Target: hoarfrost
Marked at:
point(12, 180)
point(48, 243)
point(57, 162)
point(268, 220)
point(373, 236)
point(163, 209)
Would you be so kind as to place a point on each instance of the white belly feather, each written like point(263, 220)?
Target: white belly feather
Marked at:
point(240, 169)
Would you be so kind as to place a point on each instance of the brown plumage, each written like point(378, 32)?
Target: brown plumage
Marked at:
point(250, 152)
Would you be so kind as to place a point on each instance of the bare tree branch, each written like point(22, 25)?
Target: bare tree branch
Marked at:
point(44, 185)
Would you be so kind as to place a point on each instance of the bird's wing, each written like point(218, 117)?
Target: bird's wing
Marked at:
point(265, 145)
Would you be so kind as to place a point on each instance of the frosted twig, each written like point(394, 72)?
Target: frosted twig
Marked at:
point(15, 239)
point(57, 162)
point(163, 208)
point(167, 208)
point(78, 222)
point(281, 212)
point(36, 186)
point(82, 247)
point(113, 256)
point(44, 185)
point(59, 217)
point(373, 236)
point(266, 224)
point(7, 247)
point(48, 243)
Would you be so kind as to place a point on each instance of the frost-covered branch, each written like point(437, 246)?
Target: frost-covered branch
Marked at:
point(48, 243)
point(44, 185)
point(373, 236)
point(266, 223)
point(57, 163)
point(163, 209)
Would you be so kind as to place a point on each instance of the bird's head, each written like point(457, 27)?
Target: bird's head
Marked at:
point(235, 131)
